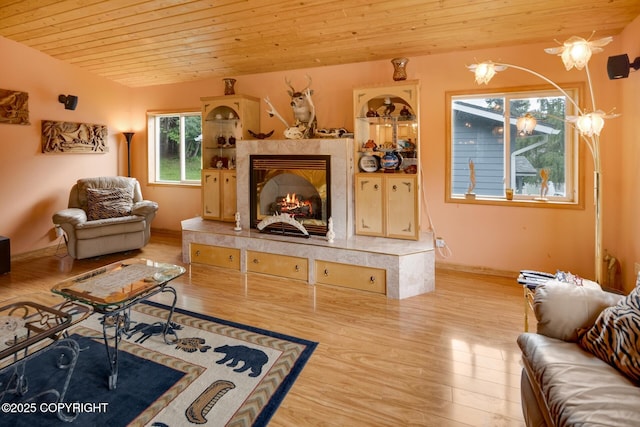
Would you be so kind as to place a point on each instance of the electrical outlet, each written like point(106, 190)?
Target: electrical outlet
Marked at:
point(636, 269)
point(58, 231)
point(440, 242)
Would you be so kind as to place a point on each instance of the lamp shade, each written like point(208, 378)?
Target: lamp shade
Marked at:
point(590, 124)
point(526, 124)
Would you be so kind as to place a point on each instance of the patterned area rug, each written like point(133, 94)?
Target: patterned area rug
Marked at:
point(218, 373)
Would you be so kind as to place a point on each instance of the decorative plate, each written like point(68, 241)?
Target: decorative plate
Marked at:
point(369, 163)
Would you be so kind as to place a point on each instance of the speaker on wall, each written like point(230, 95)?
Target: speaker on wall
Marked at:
point(618, 66)
point(70, 101)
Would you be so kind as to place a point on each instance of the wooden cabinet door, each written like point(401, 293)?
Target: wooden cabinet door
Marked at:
point(369, 204)
point(402, 203)
point(228, 185)
point(211, 194)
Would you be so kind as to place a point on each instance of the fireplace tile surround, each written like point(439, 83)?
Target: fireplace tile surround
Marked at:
point(409, 265)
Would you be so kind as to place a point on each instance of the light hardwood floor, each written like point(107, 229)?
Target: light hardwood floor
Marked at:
point(448, 358)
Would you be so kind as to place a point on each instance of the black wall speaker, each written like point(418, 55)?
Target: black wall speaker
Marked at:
point(70, 101)
point(618, 67)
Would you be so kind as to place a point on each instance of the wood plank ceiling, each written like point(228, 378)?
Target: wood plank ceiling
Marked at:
point(150, 42)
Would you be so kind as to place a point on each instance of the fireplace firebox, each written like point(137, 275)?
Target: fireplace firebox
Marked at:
point(296, 185)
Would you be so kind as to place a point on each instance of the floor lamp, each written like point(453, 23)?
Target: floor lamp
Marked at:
point(575, 52)
point(128, 136)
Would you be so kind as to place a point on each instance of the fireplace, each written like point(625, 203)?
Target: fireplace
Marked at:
point(298, 186)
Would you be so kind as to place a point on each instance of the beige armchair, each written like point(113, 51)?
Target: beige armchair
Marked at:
point(106, 215)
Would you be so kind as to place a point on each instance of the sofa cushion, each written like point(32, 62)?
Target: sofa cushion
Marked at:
point(578, 388)
point(561, 309)
point(615, 336)
point(108, 203)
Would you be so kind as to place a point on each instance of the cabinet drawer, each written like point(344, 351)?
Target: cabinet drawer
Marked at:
point(352, 276)
point(215, 255)
point(278, 265)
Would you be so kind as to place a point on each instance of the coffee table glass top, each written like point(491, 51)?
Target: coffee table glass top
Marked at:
point(31, 318)
point(118, 283)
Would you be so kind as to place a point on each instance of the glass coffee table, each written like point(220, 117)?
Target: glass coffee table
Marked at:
point(113, 290)
point(30, 326)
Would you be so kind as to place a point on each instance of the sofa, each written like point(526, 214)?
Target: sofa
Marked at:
point(105, 215)
point(581, 368)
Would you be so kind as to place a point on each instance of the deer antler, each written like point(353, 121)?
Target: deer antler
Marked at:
point(288, 82)
point(308, 84)
point(273, 112)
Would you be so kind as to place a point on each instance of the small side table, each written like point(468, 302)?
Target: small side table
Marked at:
point(5, 255)
point(530, 280)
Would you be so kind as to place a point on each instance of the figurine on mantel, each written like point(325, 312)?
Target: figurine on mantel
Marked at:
point(304, 113)
point(330, 233)
point(237, 218)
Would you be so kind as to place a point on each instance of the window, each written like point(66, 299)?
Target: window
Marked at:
point(175, 149)
point(490, 151)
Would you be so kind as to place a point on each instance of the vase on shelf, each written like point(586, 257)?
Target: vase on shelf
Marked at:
point(229, 86)
point(399, 68)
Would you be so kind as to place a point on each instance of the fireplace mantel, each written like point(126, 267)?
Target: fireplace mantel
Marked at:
point(409, 266)
point(341, 152)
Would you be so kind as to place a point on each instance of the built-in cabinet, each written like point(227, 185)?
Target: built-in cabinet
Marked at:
point(387, 160)
point(225, 120)
point(387, 205)
point(219, 194)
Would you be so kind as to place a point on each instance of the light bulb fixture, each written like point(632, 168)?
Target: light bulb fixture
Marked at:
point(526, 124)
point(575, 52)
point(618, 66)
point(70, 101)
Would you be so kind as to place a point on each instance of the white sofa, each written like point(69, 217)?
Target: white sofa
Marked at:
point(106, 215)
point(562, 384)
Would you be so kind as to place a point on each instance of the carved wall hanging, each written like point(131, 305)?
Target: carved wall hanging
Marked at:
point(68, 137)
point(14, 107)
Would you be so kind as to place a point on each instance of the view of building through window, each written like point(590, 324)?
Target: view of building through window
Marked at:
point(489, 142)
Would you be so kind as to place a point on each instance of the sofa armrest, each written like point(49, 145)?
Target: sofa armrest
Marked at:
point(144, 208)
point(562, 308)
point(73, 216)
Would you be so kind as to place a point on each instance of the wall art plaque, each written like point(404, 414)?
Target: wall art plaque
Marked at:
point(69, 137)
point(14, 107)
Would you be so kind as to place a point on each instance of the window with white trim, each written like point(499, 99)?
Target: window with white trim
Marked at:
point(175, 147)
point(512, 140)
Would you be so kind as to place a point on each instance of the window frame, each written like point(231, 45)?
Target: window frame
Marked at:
point(573, 139)
point(153, 166)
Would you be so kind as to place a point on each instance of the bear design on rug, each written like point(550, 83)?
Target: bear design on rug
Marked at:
point(252, 358)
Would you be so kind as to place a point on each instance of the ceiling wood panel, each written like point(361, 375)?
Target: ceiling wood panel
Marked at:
point(150, 42)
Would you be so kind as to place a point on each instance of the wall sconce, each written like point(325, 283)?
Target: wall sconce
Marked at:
point(70, 101)
point(618, 66)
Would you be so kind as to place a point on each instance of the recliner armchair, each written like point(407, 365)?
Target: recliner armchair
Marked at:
point(106, 215)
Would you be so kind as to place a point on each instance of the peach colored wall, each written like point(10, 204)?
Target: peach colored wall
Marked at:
point(629, 166)
point(35, 185)
point(493, 237)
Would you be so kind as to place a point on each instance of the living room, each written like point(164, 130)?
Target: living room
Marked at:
point(538, 238)
point(495, 240)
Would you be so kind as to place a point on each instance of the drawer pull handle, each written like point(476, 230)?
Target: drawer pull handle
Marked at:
point(372, 280)
point(230, 258)
point(198, 252)
point(375, 187)
point(297, 268)
point(256, 261)
point(226, 180)
point(326, 272)
point(394, 188)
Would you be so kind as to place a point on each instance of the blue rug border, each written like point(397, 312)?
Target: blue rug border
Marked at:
point(279, 395)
